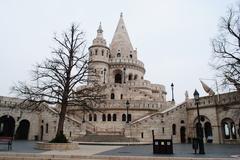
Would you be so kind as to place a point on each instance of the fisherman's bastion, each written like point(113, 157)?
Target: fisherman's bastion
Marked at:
point(134, 107)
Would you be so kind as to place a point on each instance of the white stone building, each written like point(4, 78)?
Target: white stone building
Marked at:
point(123, 74)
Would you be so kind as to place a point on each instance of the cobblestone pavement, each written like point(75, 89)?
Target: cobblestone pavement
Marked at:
point(180, 150)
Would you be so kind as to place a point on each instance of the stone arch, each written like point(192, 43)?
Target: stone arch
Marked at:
point(129, 118)
point(174, 129)
point(208, 131)
point(124, 117)
point(7, 126)
point(121, 96)
point(95, 117)
point(117, 76)
point(109, 117)
point(119, 55)
point(114, 117)
point(183, 134)
point(228, 128)
point(104, 117)
point(135, 77)
point(112, 96)
point(130, 77)
point(205, 128)
point(90, 117)
point(23, 130)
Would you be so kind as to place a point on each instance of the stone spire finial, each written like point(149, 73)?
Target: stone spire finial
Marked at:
point(121, 14)
point(99, 40)
point(100, 28)
point(186, 95)
point(100, 31)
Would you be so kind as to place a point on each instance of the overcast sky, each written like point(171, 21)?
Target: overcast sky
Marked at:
point(172, 36)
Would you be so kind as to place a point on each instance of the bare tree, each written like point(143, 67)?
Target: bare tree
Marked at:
point(226, 48)
point(55, 81)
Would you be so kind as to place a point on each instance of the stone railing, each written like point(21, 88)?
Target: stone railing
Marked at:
point(123, 60)
point(135, 104)
point(220, 99)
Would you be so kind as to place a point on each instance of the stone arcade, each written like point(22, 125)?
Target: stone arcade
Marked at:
point(123, 74)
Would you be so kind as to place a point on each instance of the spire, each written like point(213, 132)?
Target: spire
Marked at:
point(99, 40)
point(121, 39)
point(100, 31)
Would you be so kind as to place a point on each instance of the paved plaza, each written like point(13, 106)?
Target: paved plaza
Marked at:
point(180, 150)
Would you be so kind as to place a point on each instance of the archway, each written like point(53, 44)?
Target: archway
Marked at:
point(204, 128)
point(41, 133)
point(7, 126)
point(123, 117)
point(183, 134)
point(118, 78)
point(130, 77)
point(208, 132)
point(23, 130)
point(228, 129)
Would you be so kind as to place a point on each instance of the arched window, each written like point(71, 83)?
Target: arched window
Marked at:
point(233, 130)
point(129, 117)
point(135, 77)
point(103, 117)
point(199, 130)
point(130, 56)
point(174, 129)
point(112, 96)
point(114, 117)
point(130, 77)
point(123, 117)
point(90, 117)
point(118, 78)
point(182, 121)
point(121, 96)
point(228, 128)
point(95, 117)
point(102, 52)
point(96, 51)
point(46, 128)
point(208, 130)
point(119, 55)
point(109, 117)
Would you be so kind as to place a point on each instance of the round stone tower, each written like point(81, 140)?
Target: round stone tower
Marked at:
point(99, 55)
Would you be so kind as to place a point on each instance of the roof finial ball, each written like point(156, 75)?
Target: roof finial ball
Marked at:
point(121, 14)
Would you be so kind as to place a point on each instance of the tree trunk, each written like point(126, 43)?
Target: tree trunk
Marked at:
point(61, 118)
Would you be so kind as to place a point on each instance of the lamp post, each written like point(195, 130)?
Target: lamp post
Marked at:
point(172, 86)
point(104, 74)
point(199, 126)
point(124, 75)
point(127, 106)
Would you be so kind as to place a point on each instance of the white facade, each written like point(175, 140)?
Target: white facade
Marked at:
point(120, 70)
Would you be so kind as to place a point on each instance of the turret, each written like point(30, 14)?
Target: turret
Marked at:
point(99, 56)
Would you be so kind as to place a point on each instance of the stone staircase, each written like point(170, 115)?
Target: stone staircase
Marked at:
point(105, 138)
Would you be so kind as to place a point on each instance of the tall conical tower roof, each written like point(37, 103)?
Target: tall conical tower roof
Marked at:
point(121, 42)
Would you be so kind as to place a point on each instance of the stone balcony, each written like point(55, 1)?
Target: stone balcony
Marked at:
point(126, 61)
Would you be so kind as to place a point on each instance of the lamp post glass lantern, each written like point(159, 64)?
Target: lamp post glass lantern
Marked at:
point(127, 106)
point(199, 126)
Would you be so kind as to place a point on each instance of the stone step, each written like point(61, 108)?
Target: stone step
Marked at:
point(105, 138)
